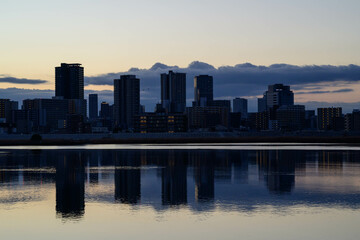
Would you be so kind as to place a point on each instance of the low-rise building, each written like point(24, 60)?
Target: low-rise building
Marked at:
point(160, 122)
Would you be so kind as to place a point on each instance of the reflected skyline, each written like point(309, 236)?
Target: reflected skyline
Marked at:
point(200, 180)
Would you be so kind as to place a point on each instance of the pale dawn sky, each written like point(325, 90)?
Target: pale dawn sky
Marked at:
point(111, 36)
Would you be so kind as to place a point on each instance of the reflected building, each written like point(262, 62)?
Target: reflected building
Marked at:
point(223, 168)
point(240, 166)
point(127, 176)
point(278, 168)
point(174, 179)
point(70, 184)
point(331, 162)
point(204, 175)
point(92, 167)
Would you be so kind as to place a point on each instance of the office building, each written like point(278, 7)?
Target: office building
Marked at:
point(126, 100)
point(69, 81)
point(203, 90)
point(235, 120)
point(6, 107)
point(160, 122)
point(173, 92)
point(329, 118)
point(3, 103)
point(291, 117)
point(56, 109)
point(352, 121)
point(259, 121)
point(105, 110)
point(278, 95)
point(221, 103)
point(310, 120)
point(208, 117)
point(261, 104)
point(93, 106)
point(240, 105)
point(28, 121)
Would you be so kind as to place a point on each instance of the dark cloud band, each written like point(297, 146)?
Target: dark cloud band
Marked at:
point(5, 79)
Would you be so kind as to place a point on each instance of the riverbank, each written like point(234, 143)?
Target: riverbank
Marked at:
point(181, 138)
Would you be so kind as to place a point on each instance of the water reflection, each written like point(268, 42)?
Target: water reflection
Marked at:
point(127, 177)
point(198, 179)
point(70, 185)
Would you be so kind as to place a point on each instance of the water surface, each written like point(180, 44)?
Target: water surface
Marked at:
point(180, 192)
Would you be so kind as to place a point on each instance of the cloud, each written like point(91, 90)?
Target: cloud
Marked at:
point(9, 79)
point(245, 79)
point(344, 90)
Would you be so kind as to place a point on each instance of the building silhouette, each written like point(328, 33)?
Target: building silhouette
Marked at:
point(276, 96)
point(291, 118)
point(126, 100)
point(204, 175)
point(240, 105)
point(173, 92)
point(174, 179)
point(127, 176)
point(279, 95)
point(203, 90)
point(330, 118)
point(93, 106)
point(54, 112)
point(69, 81)
point(70, 185)
point(104, 110)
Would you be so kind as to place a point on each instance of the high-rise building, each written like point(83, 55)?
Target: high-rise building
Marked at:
point(105, 110)
point(69, 81)
point(93, 106)
point(3, 103)
point(310, 120)
point(6, 107)
point(203, 90)
point(126, 100)
point(173, 92)
point(328, 117)
point(261, 104)
point(278, 95)
point(240, 105)
point(352, 121)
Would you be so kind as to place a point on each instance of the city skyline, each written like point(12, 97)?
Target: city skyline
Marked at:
point(226, 33)
point(316, 83)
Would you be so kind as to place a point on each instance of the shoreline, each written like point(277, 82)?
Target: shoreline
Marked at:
point(71, 140)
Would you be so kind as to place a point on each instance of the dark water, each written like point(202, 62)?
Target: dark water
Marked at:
point(179, 194)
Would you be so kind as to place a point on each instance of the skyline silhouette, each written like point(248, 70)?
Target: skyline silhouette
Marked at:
point(314, 86)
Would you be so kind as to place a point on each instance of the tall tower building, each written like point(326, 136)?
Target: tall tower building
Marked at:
point(203, 90)
point(279, 95)
point(126, 100)
point(240, 105)
point(69, 81)
point(173, 92)
point(93, 106)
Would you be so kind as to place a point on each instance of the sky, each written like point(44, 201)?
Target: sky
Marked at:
point(110, 37)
